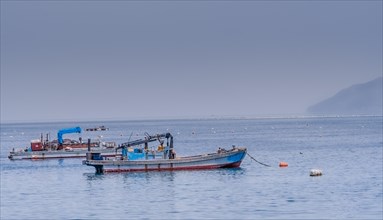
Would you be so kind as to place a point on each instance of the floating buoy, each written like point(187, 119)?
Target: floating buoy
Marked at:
point(316, 172)
point(283, 164)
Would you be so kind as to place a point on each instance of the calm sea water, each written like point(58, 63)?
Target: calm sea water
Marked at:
point(347, 149)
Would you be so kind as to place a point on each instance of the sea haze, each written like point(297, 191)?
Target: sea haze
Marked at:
point(347, 149)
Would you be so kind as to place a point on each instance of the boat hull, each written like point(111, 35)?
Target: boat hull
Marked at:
point(227, 159)
point(59, 154)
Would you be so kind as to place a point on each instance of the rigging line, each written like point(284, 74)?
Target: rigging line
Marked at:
point(130, 136)
point(257, 160)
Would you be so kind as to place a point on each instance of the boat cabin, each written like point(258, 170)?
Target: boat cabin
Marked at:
point(133, 150)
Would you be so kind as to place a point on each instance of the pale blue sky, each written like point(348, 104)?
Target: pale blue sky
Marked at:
point(68, 60)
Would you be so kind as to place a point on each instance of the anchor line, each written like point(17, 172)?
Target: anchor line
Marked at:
point(257, 160)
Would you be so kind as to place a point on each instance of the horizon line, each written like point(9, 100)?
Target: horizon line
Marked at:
point(211, 117)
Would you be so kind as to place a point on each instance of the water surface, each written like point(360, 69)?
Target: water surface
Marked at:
point(347, 149)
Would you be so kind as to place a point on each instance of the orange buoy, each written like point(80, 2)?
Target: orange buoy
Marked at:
point(283, 164)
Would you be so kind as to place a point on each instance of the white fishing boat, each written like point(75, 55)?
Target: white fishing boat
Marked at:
point(63, 148)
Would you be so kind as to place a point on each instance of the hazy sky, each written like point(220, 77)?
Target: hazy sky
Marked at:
point(68, 60)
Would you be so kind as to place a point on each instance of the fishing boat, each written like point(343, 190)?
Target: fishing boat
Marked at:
point(63, 148)
point(100, 128)
point(135, 158)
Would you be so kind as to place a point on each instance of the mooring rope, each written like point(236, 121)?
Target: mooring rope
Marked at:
point(258, 161)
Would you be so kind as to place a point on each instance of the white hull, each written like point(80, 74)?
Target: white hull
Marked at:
point(57, 154)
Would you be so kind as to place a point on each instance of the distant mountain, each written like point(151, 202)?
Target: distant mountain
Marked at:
point(359, 99)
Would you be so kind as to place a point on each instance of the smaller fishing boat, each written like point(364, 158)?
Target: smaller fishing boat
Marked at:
point(134, 158)
point(63, 148)
point(100, 128)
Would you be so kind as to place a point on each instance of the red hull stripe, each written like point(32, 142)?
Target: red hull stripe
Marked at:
point(202, 167)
